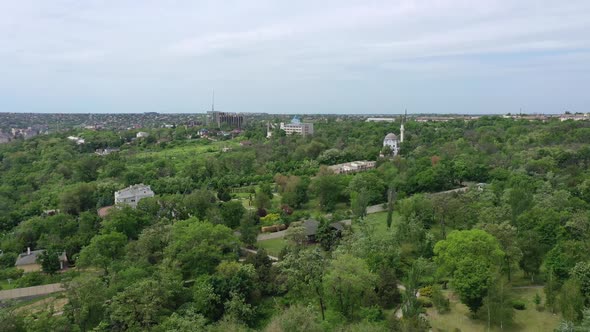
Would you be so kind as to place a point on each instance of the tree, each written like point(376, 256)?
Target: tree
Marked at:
point(305, 270)
point(198, 247)
point(358, 203)
point(391, 197)
point(86, 297)
point(581, 272)
point(571, 300)
point(103, 250)
point(550, 289)
point(469, 257)
point(411, 308)
point(506, 235)
point(347, 282)
point(232, 213)
point(141, 306)
point(238, 310)
point(50, 261)
point(327, 188)
point(497, 306)
point(126, 220)
point(224, 194)
point(262, 200)
point(77, 199)
point(326, 235)
point(532, 253)
point(249, 229)
point(187, 320)
point(296, 318)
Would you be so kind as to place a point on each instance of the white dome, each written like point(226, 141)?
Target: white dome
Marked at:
point(391, 136)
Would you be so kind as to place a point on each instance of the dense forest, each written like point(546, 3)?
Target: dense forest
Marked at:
point(509, 252)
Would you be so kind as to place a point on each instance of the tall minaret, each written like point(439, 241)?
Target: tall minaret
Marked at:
point(401, 129)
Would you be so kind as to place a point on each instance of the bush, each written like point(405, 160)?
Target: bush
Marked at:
point(426, 291)
point(11, 273)
point(425, 302)
point(518, 305)
point(371, 314)
point(31, 279)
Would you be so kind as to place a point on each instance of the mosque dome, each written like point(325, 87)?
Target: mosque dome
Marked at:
point(391, 136)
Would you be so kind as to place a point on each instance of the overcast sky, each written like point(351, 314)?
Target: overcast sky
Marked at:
point(472, 56)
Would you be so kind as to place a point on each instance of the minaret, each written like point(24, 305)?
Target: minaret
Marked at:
point(401, 130)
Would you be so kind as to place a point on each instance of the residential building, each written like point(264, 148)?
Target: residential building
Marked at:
point(133, 194)
point(297, 127)
point(105, 152)
point(353, 167)
point(311, 226)
point(77, 140)
point(29, 261)
point(142, 134)
point(575, 117)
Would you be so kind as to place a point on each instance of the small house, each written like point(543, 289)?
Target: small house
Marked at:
point(29, 261)
point(132, 194)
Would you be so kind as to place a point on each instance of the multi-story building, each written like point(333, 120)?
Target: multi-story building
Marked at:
point(233, 120)
point(297, 127)
point(353, 167)
point(133, 194)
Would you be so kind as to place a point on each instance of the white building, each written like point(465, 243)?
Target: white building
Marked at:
point(297, 127)
point(380, 120)
point(353, 167)
point(142, 134)
point(392, 143)
point(133, 194)
point(78, 140)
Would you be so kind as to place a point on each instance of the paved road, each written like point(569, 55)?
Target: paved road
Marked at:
point(252, 251)
point(30, 291)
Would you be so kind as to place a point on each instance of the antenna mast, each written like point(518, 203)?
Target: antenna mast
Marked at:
point(213, 102)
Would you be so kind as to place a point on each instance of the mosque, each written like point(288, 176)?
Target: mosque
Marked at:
point(393, 143)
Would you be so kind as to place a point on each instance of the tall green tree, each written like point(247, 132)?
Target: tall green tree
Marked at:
point(571, 300)
point(103, 250)
point(470, 258)
point(305, 270)
point(347, 282)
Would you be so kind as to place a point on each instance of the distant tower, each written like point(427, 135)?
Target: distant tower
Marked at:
point(401, 130)
point(213, 102)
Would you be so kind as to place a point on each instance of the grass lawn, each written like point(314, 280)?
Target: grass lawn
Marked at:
point(524, 320)
point(4, 285)
point(377, 222)
point(272, 246)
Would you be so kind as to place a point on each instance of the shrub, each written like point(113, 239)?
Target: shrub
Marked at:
point(371, 314)
point(426, 291)
point(31, 279)
point(425, 302)
point(11, 273)
point(518, 305)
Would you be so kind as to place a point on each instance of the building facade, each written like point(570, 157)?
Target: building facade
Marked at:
point(353, 167)
point(133, 194)
point(29, 262)
point(233, 120)
point(297, 127)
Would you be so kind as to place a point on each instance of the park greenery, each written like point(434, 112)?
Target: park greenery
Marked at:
point(177, 261)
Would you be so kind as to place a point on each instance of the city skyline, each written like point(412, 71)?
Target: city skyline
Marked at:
point(350, 57)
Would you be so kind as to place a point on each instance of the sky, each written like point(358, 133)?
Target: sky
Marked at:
point(305, 56)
